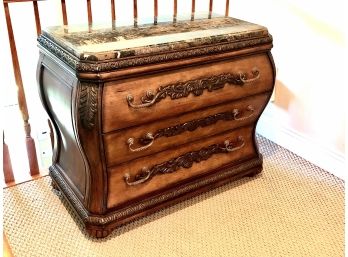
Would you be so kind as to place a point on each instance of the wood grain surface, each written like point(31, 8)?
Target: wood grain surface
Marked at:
point(117, 114)
point(117, 150)
point(119, 192)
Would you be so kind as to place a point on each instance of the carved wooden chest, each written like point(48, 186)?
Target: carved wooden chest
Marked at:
point(147, 116)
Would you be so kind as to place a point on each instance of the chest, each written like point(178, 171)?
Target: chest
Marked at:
point(146, 117)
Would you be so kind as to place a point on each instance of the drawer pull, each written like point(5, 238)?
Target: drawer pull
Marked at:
point(236, 113)
point(184, 161)
point(146, 102)
point(230, 148)
point(256, 76)
point(196, 87)
point(148, 137)
point(145, 175)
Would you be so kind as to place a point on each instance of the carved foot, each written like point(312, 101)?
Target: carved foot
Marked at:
point(98, 232)
point(54, 185)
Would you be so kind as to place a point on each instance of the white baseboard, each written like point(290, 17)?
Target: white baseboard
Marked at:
point(316, 153)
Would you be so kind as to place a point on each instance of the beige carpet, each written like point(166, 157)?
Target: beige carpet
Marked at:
point(292, 209)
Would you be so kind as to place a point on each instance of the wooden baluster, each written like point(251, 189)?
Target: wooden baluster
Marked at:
point(155, 12)
point(175, 10)
point(30, 144)
point(113, 14)
point(65, 17)
point(135, 11)
point(193, 10)
point(89, 13)
point(210, 8)
point(227, 7)
point(7, 168)
point(37, 18)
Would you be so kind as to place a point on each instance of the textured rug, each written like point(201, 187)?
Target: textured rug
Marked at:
point(292, 208)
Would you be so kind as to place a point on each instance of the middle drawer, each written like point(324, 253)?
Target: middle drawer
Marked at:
point(147, 139)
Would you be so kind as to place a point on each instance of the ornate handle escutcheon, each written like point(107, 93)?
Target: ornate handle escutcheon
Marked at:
point(184, 161)
point(195, 87)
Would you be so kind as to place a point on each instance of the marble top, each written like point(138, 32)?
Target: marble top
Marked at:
point(105, 42)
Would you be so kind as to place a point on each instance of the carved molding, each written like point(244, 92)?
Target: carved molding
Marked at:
point(59, 52)
point(60, 182)
point(150, 202)
point(88, 104)
point(113, 64)
point(196, 87)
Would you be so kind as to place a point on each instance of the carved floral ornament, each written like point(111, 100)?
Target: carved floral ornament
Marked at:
point(196, 87)
point(149, 138)
point(88, 104)
point(184, 161)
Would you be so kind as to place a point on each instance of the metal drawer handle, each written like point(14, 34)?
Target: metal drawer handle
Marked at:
point(145, 175)
point(148, 136)
point(230, 148)
point(236, 113)
point(244, 78)
point(146, 102)
point(184, 161)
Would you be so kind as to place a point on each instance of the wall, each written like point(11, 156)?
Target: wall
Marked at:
point(308, 112)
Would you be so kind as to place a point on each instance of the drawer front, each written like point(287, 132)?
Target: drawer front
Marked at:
point(125, 145)
point(140, 100)
point(149, 175)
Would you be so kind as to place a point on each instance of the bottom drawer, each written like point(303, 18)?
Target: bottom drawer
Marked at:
point(152, 174)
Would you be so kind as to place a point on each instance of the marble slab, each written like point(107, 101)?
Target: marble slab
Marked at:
point(105, 42)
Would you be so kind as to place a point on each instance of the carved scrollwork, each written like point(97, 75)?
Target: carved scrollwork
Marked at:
point(184, 161)
point(195, 87)
point(88, 104)
point(148, 139)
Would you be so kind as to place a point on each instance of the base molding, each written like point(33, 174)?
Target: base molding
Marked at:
point(102, 225)
point(300, 144)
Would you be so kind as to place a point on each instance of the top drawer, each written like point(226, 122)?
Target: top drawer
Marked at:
point(139, 100)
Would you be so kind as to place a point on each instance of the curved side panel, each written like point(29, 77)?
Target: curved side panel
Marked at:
point(57, 89)
point(272, 65)
point(88, 124)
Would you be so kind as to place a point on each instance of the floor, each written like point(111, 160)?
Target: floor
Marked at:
point(292, 208)
point(15, 139)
